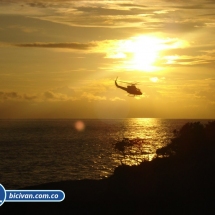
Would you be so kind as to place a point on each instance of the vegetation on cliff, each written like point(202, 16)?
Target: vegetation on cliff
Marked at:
point(192, 139)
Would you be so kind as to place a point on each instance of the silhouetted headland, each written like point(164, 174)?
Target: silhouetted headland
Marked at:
point(179, 180)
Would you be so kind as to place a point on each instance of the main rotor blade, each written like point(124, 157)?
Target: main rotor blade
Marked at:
point(136, 83)
point(124, 82)
point(129, 82)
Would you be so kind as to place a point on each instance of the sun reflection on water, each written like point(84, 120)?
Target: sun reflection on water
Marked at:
point(151, 132)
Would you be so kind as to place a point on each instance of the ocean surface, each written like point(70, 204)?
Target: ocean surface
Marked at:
point(40, 151)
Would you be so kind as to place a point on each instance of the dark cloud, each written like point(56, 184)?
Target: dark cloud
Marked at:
point(9, 95)
point(34, 1)
point(210, 2)
point(191, 4)
point(208, 14)
point(49, 95)
point(7, 1)
point(37, 4)
point(16, 96)
point(190, 7)
point(131, 5)
point(74, 45)
point(109, 11)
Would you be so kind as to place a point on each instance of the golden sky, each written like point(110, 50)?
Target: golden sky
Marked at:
point(59, 59)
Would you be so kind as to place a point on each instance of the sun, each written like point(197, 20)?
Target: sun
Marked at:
point(143, 51)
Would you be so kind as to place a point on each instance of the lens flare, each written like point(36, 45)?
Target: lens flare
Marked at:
point(79, 125)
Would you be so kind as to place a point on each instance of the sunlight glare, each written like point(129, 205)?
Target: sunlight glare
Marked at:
point(171, 59)
point(154, 79)
point(144, 52)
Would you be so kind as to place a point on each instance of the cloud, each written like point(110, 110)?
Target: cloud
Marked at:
point(9, 95)
point(33, 2)
point(5, 45)
point(30, 97)
point(46, 96)
point(116, 99)
point(24, 28)
point(49, 95)
point(74, 45)
point(174, 51)
point(156, 15)
point(52, 96)
point(38, 4)
point(16, 96)
point(114, 11)
point(129, 5)
point(103, 15)
point(82, 13)
point(92, 97)
point(187, 60)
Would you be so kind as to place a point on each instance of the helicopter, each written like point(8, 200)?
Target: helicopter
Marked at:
point(131, 89)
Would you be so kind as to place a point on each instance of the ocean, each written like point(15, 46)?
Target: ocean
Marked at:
point(33, 152)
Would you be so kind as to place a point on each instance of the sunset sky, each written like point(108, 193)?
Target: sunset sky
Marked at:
point(59, 59)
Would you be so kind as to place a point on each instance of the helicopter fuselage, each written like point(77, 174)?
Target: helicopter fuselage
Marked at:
point(130, 89)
